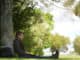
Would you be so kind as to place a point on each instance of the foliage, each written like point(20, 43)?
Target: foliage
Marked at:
point(68, 2)
point(41, 24)
point(22, 11)
point(77, 44)
point(59, 41)
point(34, 22)
point(36, 25)
point(77, 9)
point(37, 35)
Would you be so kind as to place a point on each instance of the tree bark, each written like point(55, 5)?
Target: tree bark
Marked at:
point(6, 24)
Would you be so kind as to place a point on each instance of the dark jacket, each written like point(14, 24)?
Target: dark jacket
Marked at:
point(18, 47)
point(20, 51)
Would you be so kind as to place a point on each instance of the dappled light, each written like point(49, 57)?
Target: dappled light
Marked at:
point(44, 29)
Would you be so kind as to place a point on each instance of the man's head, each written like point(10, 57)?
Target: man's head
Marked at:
point(19, 35)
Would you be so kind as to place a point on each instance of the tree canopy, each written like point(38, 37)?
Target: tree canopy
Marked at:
point(36, 25)
point(76, 8)
point(59, 41)
point(77, 44)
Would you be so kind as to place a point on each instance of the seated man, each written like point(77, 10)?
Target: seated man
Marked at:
point(19, 48)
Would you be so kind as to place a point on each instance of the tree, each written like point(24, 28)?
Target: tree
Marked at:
point(22, 12)
point(33, 21)
point(66, 3)
point(77, 44)
point(41, 25)
point(58, 42)
point(76, 9)
point(6, 26)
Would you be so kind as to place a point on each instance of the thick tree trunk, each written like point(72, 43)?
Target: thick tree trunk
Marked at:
point(6, 25)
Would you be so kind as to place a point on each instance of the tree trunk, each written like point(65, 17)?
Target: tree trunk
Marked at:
point(6, 26)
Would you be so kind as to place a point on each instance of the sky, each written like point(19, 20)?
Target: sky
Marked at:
point(66, 23)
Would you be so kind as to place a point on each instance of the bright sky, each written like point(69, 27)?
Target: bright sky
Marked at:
point(66, 23)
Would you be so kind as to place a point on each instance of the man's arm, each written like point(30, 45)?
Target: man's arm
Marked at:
point(17, 47)
point(21, 52)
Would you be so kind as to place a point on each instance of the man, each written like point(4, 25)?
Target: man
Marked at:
point(19, 48)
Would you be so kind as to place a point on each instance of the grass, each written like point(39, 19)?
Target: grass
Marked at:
point(62, 57)
point(39, 59)
point(69, 57)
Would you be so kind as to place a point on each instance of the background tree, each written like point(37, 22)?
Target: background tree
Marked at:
point(77, 44)
point(58, 42)
point(72, 5)
point(76, 8)
point(68, 3)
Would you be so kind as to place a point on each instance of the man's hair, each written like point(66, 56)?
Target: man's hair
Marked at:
point(19, 33)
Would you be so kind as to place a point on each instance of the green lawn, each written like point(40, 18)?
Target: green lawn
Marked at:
point(62, 57)
point(41, 59)
point(69, 57)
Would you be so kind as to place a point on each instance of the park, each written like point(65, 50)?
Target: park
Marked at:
point(40, 25)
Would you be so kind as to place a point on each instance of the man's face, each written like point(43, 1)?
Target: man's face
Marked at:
point(21, 36)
